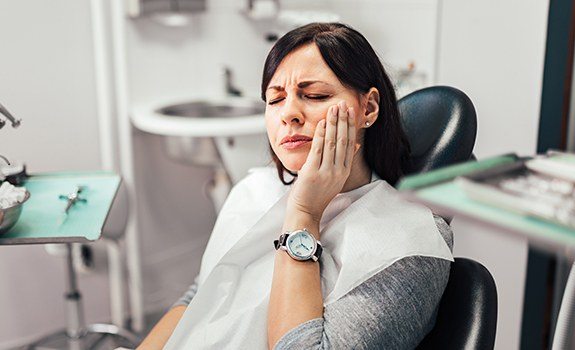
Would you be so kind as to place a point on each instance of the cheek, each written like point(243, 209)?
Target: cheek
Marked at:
point(271, 128)
point(315, 114)
point(319, 111)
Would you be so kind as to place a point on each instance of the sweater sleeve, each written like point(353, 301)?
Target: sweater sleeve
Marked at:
point(394, 309)
point(188, 295)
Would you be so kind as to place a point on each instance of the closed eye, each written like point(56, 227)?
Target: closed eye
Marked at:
point(311, 97)
point(317, 97)
point(273, 102)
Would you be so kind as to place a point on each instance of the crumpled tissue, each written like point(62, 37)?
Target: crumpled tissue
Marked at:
point(11, 195)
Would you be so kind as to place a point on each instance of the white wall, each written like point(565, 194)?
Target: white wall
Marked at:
point(494, 51)
point(400, 31)
point(47, 79)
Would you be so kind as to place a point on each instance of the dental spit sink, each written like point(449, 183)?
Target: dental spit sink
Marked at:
point(201, 118)
point(192, 129)
point(207, 109)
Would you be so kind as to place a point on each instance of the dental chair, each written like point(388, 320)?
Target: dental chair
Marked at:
point(440, 123)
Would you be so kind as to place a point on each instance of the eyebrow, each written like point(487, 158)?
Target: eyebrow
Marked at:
point(302, 84)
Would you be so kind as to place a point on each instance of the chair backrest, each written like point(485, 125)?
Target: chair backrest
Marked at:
point(467, 314)
point(441, 125)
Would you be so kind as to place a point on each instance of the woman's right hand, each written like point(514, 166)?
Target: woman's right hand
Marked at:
point(328, 163)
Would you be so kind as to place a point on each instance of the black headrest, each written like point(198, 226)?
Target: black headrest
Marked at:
point(441, 125)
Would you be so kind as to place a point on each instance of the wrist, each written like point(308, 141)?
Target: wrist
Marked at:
point(282, 257)
point(296, 220)
point(315, 213)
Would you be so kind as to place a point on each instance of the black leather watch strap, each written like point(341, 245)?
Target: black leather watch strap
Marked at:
point(318, 251)
point(281, 240)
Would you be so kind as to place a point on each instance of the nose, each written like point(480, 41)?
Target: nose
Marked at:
point(291, 111)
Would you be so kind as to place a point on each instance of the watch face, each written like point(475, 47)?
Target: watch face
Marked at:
point(301, 245)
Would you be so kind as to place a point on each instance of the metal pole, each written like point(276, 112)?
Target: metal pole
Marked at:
point(75, 316)
point(127, 165)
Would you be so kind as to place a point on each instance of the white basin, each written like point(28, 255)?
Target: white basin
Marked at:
point(201, 117)
point(220, 133)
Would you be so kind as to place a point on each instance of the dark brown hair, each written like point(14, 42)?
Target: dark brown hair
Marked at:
point(350, 56)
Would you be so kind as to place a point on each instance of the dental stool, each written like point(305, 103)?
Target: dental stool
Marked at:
point(441, 125)
point(77, 335)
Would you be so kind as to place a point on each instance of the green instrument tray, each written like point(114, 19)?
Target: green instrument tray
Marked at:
point(437, 190)
point(43, 219)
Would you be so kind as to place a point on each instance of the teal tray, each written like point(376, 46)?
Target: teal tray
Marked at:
point(43, 219)
point(436, 190)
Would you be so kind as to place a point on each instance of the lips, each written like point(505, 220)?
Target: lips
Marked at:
point(295, 138)
point(295, 141)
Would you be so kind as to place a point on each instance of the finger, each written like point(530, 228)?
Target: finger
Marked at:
point(351, 149)
point(313, 160)
point(329, 141)
point(341, 143)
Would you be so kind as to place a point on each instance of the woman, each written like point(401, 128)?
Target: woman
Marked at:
point(333, 125)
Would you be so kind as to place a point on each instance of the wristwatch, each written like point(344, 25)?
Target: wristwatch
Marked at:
point(300, 245)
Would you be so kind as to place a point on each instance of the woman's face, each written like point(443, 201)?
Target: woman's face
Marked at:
point(298, 97)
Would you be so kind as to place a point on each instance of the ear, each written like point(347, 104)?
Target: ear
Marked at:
point(371, 107)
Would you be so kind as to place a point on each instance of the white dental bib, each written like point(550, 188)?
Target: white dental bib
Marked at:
point(363, 231)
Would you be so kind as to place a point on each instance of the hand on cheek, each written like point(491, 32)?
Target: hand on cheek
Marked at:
point(328, 163)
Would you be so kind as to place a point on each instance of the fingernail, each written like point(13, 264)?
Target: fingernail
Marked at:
point(351, 113)
point(343, 105)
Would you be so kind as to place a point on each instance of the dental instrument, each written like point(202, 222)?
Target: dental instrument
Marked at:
point(9, 116)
